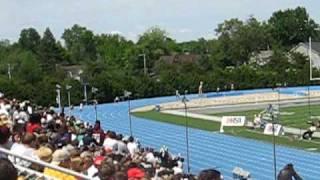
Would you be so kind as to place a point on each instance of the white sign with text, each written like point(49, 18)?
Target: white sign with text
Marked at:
point(278, 130)
point(232, 121)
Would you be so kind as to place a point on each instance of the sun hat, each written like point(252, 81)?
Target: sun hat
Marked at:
point(58, 156)
point(44, 153)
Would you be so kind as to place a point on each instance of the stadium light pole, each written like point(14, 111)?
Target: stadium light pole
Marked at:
point(144, 63)
point(310, 79)
point(9, 71)
point(85, 84)
point(94, 91)
point(58, 90)
point(184, 101)
point(273, 132)
point(127, 95)
point(68, 87)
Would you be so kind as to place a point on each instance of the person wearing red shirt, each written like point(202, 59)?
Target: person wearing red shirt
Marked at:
point(34, 123)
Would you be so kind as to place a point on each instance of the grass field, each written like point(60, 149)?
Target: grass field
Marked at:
point(234, 131)
point(290, 116)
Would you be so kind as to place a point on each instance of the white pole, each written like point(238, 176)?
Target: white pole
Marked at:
point(310, 71)
point(69, 101)
point(9, 71)
point(59, 98)
point(145, 64)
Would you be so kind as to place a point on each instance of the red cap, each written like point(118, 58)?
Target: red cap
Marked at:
point(135, 173)
point(98, 160)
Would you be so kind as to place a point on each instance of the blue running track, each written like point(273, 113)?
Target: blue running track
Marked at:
point(208, 149)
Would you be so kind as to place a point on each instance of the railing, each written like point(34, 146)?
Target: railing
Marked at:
point(43, 164)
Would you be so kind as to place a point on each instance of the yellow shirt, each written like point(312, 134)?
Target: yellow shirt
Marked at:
point(58, 174)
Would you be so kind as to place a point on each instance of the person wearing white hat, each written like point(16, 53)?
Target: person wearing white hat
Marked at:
point(59, 158)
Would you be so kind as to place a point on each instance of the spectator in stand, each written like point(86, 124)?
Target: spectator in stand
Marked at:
point(106, 171)
point(110, 141)
point(7, 170)
point(4, 139)
point(93, 170)
point(121, 147)
point(98, 133)
point(23, 115)
point(69, 143)
point(59, 158)
point(135, 174)
point(132, 146)
point(25, 148)
point(44, 154)
point(210, 174)
point(34, 123)
point(88, 140)
point(288, 173)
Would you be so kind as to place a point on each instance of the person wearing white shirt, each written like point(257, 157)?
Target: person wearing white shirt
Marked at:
point(110, 142)
point(23, 149)
point(132, 146)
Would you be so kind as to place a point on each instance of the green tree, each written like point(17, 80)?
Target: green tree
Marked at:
point(237, 40)
point(292, 26)
point(29, 39)
point(155, 43)
point(29, 68)
point(50, 52)
point(114, 49)
point(80, 43)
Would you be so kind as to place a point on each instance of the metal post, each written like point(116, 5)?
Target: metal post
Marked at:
point(274, 137)
point(129, 113)
point(184, 100)
point(9, 71)
point(85, 93)
point(68, 87)
point(69, 102)
point(59, 96)
point(309, 110)
point(95, 109)
point(127, 95)
point(145, 64)
point(310, 59)
point(59, 99)
point(94, 91)
point(274, 150)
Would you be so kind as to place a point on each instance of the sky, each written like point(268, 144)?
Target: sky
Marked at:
point(183, 19)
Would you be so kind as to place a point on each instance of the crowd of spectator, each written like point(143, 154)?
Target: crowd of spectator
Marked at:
point(64, 141)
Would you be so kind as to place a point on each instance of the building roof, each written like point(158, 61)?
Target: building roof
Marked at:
point(70, 68)
point(189, 58)
point(315, 46)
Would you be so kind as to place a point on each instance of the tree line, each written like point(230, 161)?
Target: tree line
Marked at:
point(113, 63)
